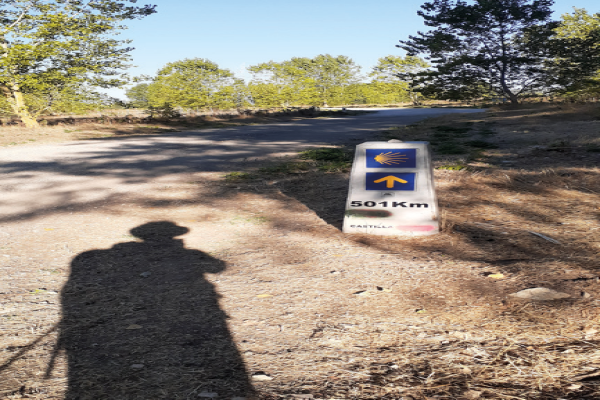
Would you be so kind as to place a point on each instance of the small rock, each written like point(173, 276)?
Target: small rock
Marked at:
point(208, 395)
point(134, 326)
point(303, 396)
point(585, 295)
point(145, 274)
point(472, 394)
point(261, 377)
point(590, 333)
point(136, 366)
point(540, 294)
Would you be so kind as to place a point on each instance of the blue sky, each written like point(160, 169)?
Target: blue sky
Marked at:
point(236, 34)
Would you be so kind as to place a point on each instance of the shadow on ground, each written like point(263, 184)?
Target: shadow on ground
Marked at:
point(140, 321)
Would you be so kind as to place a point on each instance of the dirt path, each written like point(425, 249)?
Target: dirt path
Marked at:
point(132, 269)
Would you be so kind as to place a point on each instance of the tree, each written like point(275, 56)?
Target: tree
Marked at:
point(67, 99)
point(392, 68)
point(46, 45)
point(319, 81)
point(138, 95)
point(398, 71)
point(280, 85)
point(576, 47)
point(330, 74)
point(579, 25)
point(195, 84)
point(378, 92)
point(484, 47)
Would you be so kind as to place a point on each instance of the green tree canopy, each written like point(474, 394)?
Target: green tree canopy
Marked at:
point(483, 47)
point(138, 95)
point(395, 68)
point(576, 47)
point(195, 84)
point(77, 99)
point(398, 75)
point(307, 81)
point(50, 44)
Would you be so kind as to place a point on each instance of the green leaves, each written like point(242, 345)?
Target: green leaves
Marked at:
point(393, 76)
point(47, 45)
point(576, 47)
point(319, 81)
point(138, 95)
point(193, 84)
point(395, 69)
point(476, 47)
point(323, 80)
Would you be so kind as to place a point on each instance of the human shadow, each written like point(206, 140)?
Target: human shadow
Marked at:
point(140, 321)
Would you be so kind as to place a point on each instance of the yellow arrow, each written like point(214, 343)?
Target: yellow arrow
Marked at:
point(390, 181)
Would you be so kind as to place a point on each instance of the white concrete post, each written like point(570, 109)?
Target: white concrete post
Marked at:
point(392, 190)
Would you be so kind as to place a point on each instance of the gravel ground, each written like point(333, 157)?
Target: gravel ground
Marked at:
point(132, 269)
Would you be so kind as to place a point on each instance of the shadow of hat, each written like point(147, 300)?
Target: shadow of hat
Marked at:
point(160, 230)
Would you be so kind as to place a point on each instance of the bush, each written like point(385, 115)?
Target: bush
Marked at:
point(166, 111)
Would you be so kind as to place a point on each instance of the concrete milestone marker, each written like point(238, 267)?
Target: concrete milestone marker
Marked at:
point(392, 190)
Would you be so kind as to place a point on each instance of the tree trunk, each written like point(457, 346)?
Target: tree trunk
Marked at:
point(414, 97)
point(514, 100)
point(14, 96)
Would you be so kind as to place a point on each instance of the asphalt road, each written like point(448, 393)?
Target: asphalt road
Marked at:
point(34, 179)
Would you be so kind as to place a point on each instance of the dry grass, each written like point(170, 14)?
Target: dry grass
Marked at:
point(341, 316)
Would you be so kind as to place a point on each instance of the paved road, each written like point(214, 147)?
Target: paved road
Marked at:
point(38, 178)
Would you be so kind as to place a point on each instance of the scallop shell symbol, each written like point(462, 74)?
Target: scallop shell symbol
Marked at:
point(390, 158)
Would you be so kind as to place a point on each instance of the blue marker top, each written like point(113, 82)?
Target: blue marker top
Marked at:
point(391, 158)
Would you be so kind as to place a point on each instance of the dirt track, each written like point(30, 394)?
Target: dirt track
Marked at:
point(262, 295)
